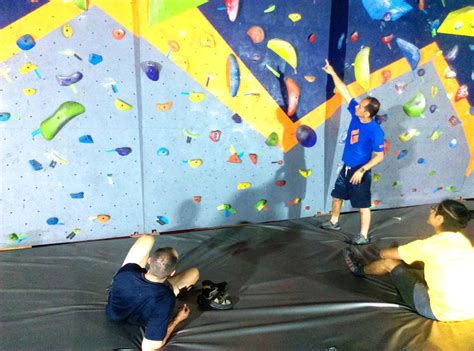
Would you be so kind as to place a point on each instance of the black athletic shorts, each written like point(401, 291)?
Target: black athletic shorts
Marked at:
point(359, 194)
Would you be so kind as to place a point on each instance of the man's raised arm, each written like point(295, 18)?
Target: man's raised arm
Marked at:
point(340, 86)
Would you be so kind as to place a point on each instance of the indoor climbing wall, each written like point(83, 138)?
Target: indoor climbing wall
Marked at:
point(419, 55)
point(121, 116)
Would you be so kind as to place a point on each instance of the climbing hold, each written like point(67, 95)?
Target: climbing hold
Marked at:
point(27, 68)
point(173, 46)
point(310, 79)
point(162, 151)
point(232, 7)
point(122, 151)
point(272, 139)
point(166, 106)
point(295, 201)
point(294, 17)
point(103, 218)
point(95, 59)
point(305, 172)
point(354, 37)
point(196, 163)
point(68, 80)
point(416, 106)
point(312, 38)
point(196, 97)
point(118, 33)
point(79, 195)
point(197, 199)
point(410, 51)
point(256, 34)
point(29, 91)
point(122, 105)
point(401, 154)
point(236, 118)
point(26, 42)
point(53, 221)
point(206, 40)
point(261, 205)
point(67, 31)
point(387, 40)
point(35, 165)
point(215, 135)
point(285, 50)
point(306, 136)
point(293, 95)
point(151, 69)
point(86, 139)
point(4, 116)
point(362, 68)
point(66, 112)
point(408, 135)
point(453, 121)
point(461, 93)
point(269, 9)
point(253, 158)
point(234, 158)
point(243, 185)
point(233, 75)
point(162, 220)
point(280, 183)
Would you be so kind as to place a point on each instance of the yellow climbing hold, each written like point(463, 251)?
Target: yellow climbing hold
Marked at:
point(29, 91)
point(243, 185)
point(67, 31)
point(27, 68)
point(294, 17)
point(362, 68)
point(196, 97)
point(196, 163)
point(122, 105)
point(305, 172)
point(285, 50)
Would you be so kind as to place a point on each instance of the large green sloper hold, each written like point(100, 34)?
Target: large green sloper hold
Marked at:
point(416, 106)
point(53, 124)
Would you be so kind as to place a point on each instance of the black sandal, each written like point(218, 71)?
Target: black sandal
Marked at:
point(214, 296)
point(217, 300)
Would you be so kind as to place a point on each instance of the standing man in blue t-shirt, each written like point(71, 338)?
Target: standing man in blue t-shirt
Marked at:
point(363, 150)
point(147, 297)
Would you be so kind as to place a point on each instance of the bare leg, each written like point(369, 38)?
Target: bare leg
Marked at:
point(336, 210)
point(364, 221)
point(381, 267)
point(184, 280)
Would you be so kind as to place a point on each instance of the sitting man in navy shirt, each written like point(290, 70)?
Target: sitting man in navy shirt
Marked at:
point(363, 150)
point(147, 297)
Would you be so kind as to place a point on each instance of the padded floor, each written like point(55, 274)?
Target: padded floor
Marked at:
point(288, 281)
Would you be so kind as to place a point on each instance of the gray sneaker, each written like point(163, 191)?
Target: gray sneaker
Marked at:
point(330, 225)
point(359, 239)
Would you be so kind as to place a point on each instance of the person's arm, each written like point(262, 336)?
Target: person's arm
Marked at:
point(140, 250)
point(390, 252)
point(340, 86)
point(375, 160)
point(151, 345)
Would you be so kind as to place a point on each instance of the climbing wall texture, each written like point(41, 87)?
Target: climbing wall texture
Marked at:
point(116, 116)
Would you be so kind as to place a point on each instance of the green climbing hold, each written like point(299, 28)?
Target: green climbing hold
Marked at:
point(272, 139)
point(53, 124)
point(416, 106)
